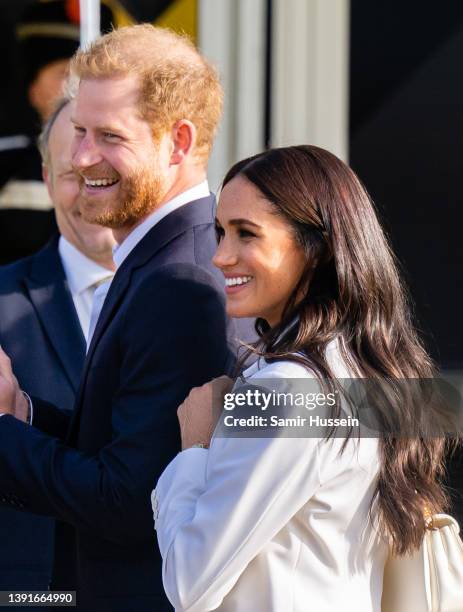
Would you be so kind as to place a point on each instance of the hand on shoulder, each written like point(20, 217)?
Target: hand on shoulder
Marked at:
point(12, 400)
point(199, 413)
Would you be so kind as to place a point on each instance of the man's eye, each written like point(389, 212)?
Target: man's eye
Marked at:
point(219, 233)
point(110, 135)
point(80, 131)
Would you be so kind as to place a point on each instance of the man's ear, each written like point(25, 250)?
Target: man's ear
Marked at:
point(183, 139)
point(33, 94)
point(47, 179)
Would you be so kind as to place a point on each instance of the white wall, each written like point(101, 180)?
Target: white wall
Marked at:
point(310, 96)
point(232, 36)
point(310, 61)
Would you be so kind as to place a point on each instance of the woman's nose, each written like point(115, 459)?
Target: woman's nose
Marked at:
point(225, 255)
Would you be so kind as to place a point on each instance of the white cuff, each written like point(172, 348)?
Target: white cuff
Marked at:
point(183, 480)
point(31, 407)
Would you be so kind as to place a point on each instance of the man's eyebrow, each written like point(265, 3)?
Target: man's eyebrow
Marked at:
point(102, 128)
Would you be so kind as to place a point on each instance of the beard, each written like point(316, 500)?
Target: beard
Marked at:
point(139, 194)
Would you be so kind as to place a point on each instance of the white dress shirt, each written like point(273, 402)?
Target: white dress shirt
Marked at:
point(83, 276)
point(122, 251)
point(272, 524)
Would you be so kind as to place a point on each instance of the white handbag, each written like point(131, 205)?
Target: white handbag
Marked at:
point(431, 579)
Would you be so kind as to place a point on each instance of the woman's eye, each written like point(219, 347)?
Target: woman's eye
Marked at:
point(110, 135)
point(245, 234)
point(79, 131)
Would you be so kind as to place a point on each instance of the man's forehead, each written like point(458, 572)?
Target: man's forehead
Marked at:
point(62, 130)
point(103, 100)
point(119, 89)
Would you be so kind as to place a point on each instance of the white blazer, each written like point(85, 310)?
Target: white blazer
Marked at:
point(271, 524)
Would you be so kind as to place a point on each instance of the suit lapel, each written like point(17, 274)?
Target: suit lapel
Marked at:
point(177, 222)
point(47, 288)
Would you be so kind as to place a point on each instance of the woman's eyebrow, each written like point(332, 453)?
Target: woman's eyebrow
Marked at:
point(242, 222)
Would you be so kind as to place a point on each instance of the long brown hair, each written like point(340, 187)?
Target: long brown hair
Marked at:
point(351, 289)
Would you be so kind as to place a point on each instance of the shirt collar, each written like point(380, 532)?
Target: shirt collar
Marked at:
point(260, 361)
point(121, 251)
point(81, 271)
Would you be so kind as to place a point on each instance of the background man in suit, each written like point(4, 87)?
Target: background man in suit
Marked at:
point(47, 36)
point(45, 303)
point(147, 108)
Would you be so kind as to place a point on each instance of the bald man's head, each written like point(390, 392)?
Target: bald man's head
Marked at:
point(176, 81)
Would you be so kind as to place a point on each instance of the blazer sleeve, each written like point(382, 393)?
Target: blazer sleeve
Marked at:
point(216, 509)
point(50, 419)
point(172, 338)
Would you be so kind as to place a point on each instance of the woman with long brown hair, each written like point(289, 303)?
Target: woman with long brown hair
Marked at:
point(277, 523)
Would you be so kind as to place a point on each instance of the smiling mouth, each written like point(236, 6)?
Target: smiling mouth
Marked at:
point(237, 281)
point(100, 182)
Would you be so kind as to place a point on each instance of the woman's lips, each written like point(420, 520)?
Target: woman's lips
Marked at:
point(229, 290)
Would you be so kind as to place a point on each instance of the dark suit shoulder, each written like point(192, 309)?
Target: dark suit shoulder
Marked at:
point(43, 263)
point(177, 272)
point(173, 310)
point(11, 273)
point(176, 291)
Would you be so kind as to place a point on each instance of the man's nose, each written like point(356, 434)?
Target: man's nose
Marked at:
point(225, 255)
point(85, 152)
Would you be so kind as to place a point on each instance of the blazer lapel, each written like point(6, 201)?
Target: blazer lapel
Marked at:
point(194, 213)
point(177, 222)
point(48, 291)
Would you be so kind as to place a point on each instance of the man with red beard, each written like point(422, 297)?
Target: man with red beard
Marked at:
point(146, 110)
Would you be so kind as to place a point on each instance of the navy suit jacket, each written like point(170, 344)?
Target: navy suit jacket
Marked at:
point(162, 331)
point(40, 331)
